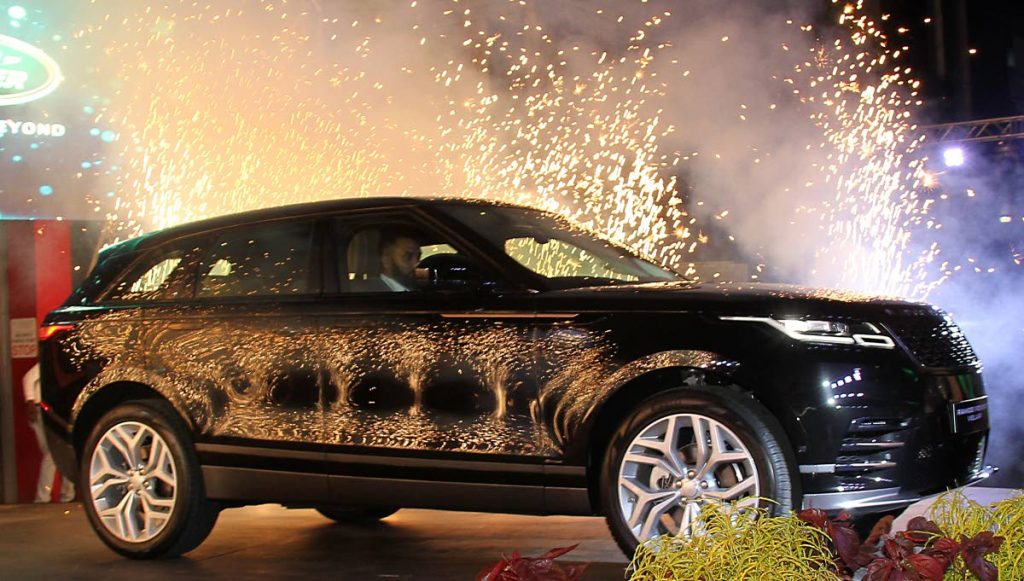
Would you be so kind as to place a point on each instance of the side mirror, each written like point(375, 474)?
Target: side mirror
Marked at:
point(449, 272)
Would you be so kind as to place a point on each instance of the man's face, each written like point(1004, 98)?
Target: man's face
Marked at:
point(400, 258)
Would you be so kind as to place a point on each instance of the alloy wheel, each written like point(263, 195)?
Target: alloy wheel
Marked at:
point(675, 466)
point(132, 481)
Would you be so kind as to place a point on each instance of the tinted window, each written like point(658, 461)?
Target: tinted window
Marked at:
point(162, 275)
point(267, 259)
point(154, 278)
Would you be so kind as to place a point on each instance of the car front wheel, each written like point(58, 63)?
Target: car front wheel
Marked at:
point(143, 489)
point(684, 449)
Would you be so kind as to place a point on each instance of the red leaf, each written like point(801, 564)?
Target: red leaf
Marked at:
point(491, 573)
point(814, 516)
point(529, 569)
point(543, 568)
point(847, 544)
point(927, 567)
point(894, 550)
point(843, 518)
point(944, 549)
point(881, 528)
point(556, 553)
point(920, 530)
point(880, 569)
point(974, 551)
point(906, 544)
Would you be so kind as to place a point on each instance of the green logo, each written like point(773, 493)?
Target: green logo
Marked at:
point(26, 73)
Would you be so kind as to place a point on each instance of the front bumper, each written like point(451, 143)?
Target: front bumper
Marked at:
point(878, 500)
point(887, 436)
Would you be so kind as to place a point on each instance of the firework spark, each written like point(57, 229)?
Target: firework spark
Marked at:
point(226, 109)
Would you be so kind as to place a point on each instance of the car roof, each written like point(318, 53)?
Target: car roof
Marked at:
point(311, 209)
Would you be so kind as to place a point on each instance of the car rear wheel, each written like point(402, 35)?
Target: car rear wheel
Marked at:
point(342, 514)
point(143, 489)
point(684, 449)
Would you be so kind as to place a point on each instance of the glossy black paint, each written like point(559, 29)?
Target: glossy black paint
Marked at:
point(497, 398)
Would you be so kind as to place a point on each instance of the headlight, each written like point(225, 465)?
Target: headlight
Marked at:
point(817, 328)
point(820, 331)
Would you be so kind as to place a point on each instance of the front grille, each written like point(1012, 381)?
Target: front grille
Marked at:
point(932, 337)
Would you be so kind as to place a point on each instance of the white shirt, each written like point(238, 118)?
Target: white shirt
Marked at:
point(30, 383)
point(393, 284)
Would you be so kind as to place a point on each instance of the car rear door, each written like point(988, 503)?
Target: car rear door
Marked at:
point(243, 351)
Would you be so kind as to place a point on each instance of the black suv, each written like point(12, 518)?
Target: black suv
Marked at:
point(360, 356)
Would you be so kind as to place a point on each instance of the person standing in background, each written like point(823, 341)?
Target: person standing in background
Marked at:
point(47, 469)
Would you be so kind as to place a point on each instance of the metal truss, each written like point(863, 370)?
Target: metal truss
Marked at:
point(998, 129)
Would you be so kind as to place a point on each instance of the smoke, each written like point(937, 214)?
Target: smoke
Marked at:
point(982, 256)
point(748, 145)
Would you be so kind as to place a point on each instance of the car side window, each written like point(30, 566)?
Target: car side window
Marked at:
point(387, 257)
point(163, 275)
point(155, 277)
point(260, 260)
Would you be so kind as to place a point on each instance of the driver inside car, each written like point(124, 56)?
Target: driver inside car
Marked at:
point(399, 253)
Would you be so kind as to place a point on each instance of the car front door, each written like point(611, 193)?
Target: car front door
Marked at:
point(431, 384)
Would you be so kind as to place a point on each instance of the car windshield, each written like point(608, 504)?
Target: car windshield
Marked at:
point(563, 253)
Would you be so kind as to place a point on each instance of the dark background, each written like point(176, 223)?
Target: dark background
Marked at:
point(958, 85)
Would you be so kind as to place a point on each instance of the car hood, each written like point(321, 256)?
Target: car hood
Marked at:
point(754, 299)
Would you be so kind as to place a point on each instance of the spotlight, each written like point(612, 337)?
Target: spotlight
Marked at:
point(953, 157)
point(17, 12)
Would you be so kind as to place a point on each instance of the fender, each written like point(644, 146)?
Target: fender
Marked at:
point(196, 412)
point(575, 423)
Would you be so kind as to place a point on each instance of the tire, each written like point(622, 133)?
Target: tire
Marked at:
point(140, 471)
point(342, 514)
point(761, 465)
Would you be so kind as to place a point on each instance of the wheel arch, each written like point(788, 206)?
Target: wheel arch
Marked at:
point(89, 409)
point(676, 369)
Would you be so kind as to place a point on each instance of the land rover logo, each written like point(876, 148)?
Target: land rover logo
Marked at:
point(26, 73)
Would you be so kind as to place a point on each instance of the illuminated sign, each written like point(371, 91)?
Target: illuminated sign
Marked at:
point(10, 126)
point(26, 73)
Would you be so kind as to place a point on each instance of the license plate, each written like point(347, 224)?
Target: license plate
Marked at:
point(970, 415)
